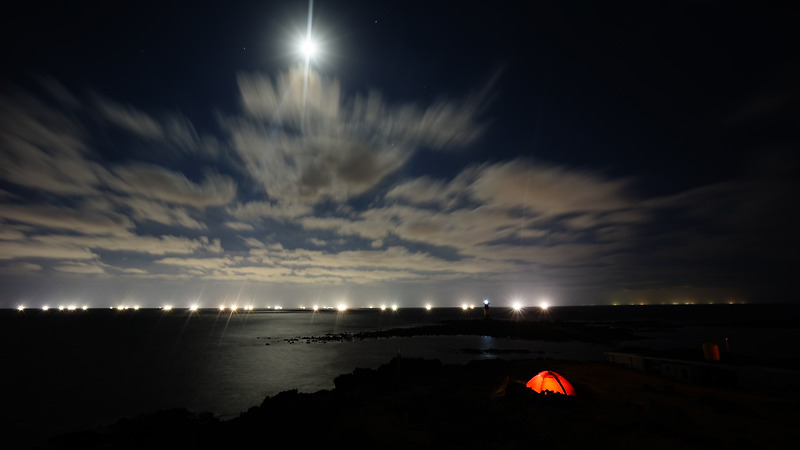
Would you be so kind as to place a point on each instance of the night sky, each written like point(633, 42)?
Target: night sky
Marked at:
point(434, 152)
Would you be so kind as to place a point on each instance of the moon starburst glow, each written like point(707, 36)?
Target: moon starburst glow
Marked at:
point(308, 48)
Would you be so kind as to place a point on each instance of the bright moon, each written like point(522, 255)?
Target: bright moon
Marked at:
point(309, 48)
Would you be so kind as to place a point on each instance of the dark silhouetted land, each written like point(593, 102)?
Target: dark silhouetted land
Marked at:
point(419, 403)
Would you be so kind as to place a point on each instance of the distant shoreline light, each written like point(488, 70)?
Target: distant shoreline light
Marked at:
point(516, 307)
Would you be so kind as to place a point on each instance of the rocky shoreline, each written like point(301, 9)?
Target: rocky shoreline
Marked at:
point(497, 328)
point(424, 403)
point(483, 404)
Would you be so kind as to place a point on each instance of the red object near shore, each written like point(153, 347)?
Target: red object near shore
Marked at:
point(552, 382)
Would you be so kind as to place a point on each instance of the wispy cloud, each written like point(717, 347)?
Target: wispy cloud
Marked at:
point(256, 210)
point(143, 210)
point(314, 195)
point(159, 183)
point(171, 130)
point(130, 119)
point(329, 145)
point(78, 219)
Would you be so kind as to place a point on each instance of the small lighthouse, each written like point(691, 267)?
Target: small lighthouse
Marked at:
point(486, 308)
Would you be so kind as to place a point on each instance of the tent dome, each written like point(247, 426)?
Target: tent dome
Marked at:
point(550, 381)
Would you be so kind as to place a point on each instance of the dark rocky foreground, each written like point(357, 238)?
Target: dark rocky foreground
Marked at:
point(424, 404)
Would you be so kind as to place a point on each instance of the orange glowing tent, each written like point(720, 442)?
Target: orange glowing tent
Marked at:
point(550, 381)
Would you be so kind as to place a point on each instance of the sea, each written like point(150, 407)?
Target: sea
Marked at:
point(66, 371)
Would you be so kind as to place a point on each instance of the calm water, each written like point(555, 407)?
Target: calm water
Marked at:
point(70, 370)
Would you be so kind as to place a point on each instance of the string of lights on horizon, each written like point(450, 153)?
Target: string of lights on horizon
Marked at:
point(247, 308)
point(235, 307)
